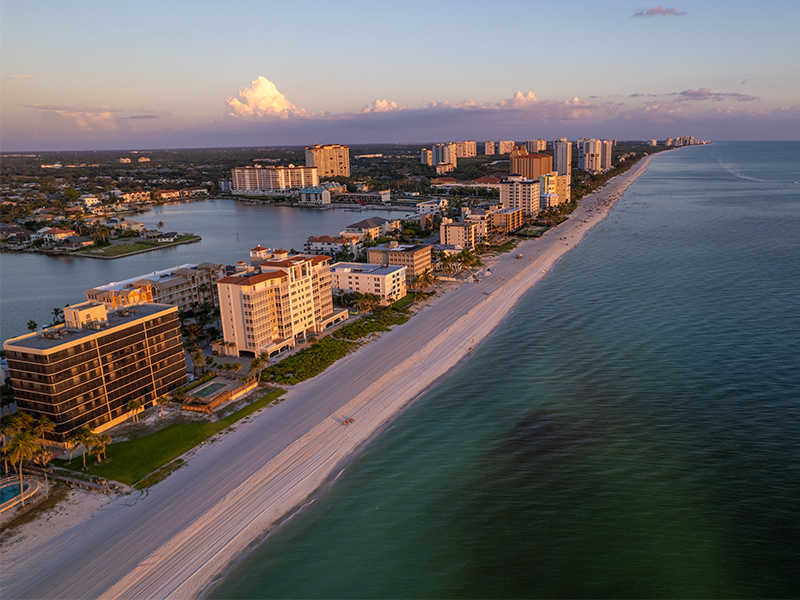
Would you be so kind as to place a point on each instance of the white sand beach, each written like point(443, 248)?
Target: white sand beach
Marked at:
point(172, 541)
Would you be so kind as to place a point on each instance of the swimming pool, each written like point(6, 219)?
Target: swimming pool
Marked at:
point(209, 390)
point(8, 492)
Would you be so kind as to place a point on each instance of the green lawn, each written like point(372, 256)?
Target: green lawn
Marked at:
point(110, 251)
point(404, 302)
point(309, 362)
point(132, 461)
point(508, 246)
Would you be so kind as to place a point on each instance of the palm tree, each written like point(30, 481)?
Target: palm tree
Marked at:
point(45, 425)
point(85, 438)
point(161, 400)
point(160, 225)
point(9, 425)
point(32, 326)
point(203, 288)
point(135, 406)
point(99, 444)
point(42, 458)
point(425, 280)
point(71, 443)
point(101, 234)
point(20, 449)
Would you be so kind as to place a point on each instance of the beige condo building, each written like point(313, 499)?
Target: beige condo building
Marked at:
point(415, 258)
point(458, 234)
point(285, 297)
point(332, 160)
point(387, 282)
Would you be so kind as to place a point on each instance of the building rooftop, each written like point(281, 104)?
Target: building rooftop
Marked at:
point(158, 277)
point(53, 337)
point(365, 268)
point(370, 223)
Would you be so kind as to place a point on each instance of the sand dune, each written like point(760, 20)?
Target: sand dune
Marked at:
point(172, 542)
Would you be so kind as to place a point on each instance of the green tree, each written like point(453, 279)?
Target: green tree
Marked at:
point(161, 401)
point(135, 406)
point(32, 326)
point(42, 458)
point(20, 449)
point(44, 425)
point(85, 438)
point(160, 225)
point(71, 194)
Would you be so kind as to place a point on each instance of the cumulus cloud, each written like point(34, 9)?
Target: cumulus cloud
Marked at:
point(380, 105)
point(262, 99)
point(659, 12)
point(525, 102)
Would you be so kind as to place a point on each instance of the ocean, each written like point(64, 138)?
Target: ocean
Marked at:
point(631, 430)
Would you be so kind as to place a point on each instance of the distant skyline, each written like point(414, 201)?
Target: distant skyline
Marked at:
point(89, 75)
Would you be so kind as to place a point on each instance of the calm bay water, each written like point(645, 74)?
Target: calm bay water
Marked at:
point(32, 285)
point(631, 430)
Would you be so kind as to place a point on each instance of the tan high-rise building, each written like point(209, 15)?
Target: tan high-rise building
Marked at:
point(458, 234)
point(488, 148)
point(285, 298)
point(445, 154)
point(558, 187)
point(534, 146)
point(85, 372)
point(466, 149)
point(518, 192)
point(332, 160)
point(530, 166)
point(426, 157)
point(606, 148)
point(250, 179)
point(505, 146)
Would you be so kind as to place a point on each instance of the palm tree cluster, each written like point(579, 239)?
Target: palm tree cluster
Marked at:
point(24, 441)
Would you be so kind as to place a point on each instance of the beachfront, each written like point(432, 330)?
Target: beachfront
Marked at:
point(174, 541)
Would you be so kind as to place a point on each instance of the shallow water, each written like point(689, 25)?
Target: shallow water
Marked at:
point(631, 430)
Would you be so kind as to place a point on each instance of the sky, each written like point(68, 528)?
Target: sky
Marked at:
point(114, 75)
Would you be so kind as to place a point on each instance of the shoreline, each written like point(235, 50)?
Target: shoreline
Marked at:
point(261, 480)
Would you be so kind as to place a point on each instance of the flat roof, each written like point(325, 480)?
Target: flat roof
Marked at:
point(69, 336)
point(161, 276)
point(365, 268)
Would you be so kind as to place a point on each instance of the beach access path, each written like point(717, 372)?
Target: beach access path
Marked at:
point(174, 539)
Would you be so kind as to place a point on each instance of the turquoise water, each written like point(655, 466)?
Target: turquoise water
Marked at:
point(631, 430)
point(208, 390)
point(8, 492)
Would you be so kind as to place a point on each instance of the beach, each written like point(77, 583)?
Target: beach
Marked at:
point(174, 540)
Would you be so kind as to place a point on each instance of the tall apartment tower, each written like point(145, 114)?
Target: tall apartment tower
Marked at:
point(285, 298)
point(606, 147)
point(534, 146)
point(85, 372)
point(562, 157)
point(505, 146)
point(589, 155)
point(530, 166)
point(466, 149)
point(445, 153)
point(426, 157)
point(488, 148)
point(331, 160)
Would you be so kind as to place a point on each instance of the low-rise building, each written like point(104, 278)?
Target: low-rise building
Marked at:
point(432, 207)
point(180, 286)
point(506, 220)
point(315, 195)
point(372, 228)
point(168, 194)
point(85, 372)
point(331, 246)
point(386, 282)
point(416, 258)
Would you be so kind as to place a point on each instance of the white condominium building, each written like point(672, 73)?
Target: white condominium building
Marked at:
point(505, 146)
point(536, 146)
point(286, 298)
point(385, 281)
point(445, 153)
point(488, 148)
point(250, 179)
point(466, 149)
point(594, 155)
point(518, 192)
point(332, 160)
point(426, 157)
point(562, 156)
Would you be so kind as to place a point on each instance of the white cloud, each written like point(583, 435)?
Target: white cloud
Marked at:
point(89, 119)
point(262, 99)
point(379, 105)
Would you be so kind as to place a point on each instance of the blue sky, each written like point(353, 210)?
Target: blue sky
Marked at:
point(117, 75)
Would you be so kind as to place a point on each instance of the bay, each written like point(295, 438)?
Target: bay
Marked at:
point(631, 430)
point(31, 285)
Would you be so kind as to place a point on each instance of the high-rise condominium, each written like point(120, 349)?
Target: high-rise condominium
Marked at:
point(332, 160)
point(562, 156)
